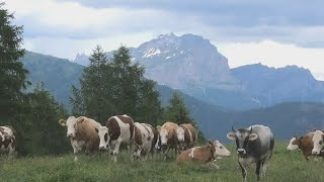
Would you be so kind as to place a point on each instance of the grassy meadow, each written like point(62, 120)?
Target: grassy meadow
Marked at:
point(284, 166)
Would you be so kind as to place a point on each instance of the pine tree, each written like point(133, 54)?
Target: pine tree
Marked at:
point(12, 74)
point(177, 111)
point(116, 87)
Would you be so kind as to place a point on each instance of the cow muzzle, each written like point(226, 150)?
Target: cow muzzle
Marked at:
point(314, 152)
point(241, 152)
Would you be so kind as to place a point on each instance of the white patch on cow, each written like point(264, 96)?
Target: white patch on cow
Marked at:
point(220, 149)
point(192, 152)
point(70, 124)
point(125, 134)
point(2, 137)
point(164, 136)
point(102, 132)
point(318, 142)
point(291, 146)
point(180, 134)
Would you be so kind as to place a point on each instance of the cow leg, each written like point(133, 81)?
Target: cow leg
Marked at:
point(264, 168)
point(244, 172)
point(257, 170)
point(116, 151)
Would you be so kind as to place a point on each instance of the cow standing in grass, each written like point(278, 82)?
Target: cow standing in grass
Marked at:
point(187, 136)
point(7, 140)
point(168, 138)
point(304, 143)
point(118, 129)
point(82, 134)
point(254, 145)
point(143, 139)
point(203, 154)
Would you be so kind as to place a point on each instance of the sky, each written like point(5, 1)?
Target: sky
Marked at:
point(275, 33)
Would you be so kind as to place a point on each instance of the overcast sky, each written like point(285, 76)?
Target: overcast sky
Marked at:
point(275, 33)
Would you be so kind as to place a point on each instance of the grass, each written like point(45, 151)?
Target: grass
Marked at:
point(284, 166)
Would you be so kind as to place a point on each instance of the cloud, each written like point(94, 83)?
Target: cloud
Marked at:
point(274, 54)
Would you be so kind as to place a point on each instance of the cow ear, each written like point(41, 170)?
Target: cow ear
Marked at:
point(253, 136)
point(97, 130)
point(62, 122)
point(231, 135)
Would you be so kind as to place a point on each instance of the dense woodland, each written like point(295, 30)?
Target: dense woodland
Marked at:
point(106, 87)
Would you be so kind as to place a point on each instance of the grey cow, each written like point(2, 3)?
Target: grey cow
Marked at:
point(254, 145)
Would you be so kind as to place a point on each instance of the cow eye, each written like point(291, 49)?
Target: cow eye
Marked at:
point(221, 147)
point(106, 137)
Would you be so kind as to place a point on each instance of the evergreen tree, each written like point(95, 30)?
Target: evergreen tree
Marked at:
point(115, 87)
point(177, 111)
point(12, 73)
point(40, 133)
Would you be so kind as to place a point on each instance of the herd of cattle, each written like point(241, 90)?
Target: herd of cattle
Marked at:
point(253, 144)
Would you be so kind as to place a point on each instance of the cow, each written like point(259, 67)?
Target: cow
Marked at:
point(82, 134)
point(119, 129)
point(7, 140)
point(187, 136)
point(168, 138)
point(143, 139)
point(304, 143)
point(318, 141)
point(203, 154)
point(254, 145)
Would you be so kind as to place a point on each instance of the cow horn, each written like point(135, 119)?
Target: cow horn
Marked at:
point(62, 122)
point(233, 129)
point(251, 130)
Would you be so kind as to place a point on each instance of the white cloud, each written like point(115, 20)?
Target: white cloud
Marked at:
point(274, 54)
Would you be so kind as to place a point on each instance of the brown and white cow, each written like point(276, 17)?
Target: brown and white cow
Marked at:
point(118, 129)
point(168, 137)
point(7, 140)
point(82, 134)
point(143, 139)
point(304, 143)
point(203, 154)
point(187, 136)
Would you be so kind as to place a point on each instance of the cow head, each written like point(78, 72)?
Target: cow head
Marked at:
point(318, 141)
point(293, 143)
point(180, 134)
point(242, 137)
point(104, 137)
point(164, 137)
point(70, 124)
point(220, 149)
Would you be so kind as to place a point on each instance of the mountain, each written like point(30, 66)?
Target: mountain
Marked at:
point(285, 119)
point(56, 74)
point(272, 86)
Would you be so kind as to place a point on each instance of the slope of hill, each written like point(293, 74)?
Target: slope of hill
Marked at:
point(271, 86)
point(285, 119)
point(193, 65)
point(57, 74)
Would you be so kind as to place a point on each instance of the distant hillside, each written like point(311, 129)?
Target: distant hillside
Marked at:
point(57, 74)
point(194, 65)
point(272, 86)
point(285, 119)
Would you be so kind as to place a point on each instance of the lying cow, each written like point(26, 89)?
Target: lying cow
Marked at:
point(304, 143)
point(143, 139)
point(168, 138)
point(203, 154)
point(82, 134)
point(187, 136)
point(118, 129)
point(7, 140)
point(254, 145)
point(318, 141)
